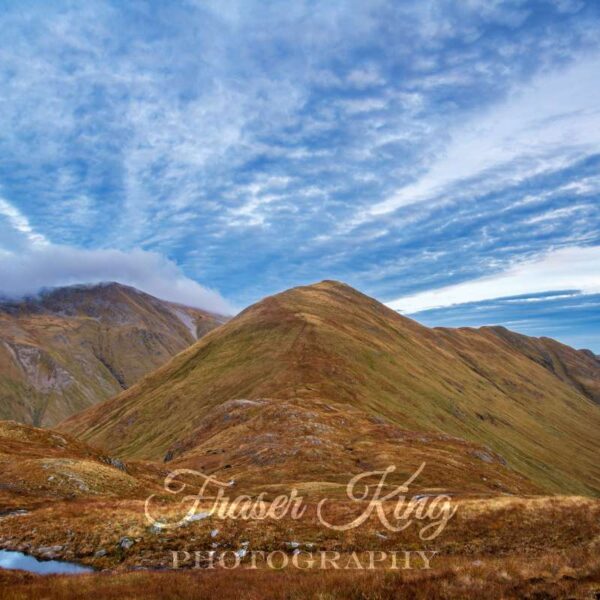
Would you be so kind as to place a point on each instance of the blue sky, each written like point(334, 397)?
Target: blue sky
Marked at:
point(437, 155)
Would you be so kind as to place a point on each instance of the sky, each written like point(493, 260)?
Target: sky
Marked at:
point(441, 156)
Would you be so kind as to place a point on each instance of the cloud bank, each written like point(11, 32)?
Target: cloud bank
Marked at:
point(565, 269)
point(54, 265)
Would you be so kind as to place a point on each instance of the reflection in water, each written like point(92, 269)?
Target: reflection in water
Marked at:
point(18, 560)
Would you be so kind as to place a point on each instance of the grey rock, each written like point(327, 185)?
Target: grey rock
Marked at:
point(126, 543)
point(118, 464)
point(49, 552)
point(198, 516)
point(484, 456)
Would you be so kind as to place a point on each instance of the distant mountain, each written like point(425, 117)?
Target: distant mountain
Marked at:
point(69, 348)
point(530, 402)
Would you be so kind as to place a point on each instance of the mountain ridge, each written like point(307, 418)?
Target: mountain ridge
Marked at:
point(328, 342)
point(578, 368)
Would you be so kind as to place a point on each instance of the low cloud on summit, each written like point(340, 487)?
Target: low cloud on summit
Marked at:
point(50, 265)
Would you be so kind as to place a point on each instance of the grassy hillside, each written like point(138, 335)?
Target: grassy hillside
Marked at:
point(72, 347)
point(494, 549)
point(318, 447)
point(40, 467)
point(327, 342)
point(578, 368)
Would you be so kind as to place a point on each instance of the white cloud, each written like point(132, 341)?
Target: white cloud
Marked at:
point(546, 125)
point(31, 262)
point(560, 213)
point(367, 77)
point(20, 223)
point(257, 198)
point(572, 268)
point(53, 265)
point(363, 105)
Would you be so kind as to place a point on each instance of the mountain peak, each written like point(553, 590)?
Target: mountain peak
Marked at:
point(327, 303)
point(329, 343)
point(331, 283)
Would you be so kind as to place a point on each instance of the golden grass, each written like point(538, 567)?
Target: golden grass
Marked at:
point(495, 546)
point(548, 577)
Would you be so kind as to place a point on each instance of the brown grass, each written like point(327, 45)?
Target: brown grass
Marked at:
point(507, 527)
point(552, 576)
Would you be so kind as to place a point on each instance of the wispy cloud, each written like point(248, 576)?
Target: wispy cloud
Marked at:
point(547, 124)
point(19, 223)
point(403, 147)
point(564, 269)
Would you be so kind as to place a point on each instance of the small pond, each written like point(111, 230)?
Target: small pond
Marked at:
point(17, 560)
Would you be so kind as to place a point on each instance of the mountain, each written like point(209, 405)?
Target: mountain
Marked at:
point(329, 345)
point(69, 348)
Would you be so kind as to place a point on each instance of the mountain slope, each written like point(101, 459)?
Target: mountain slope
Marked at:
point(578, 368)
point(71, 347)
point(328, 342)
point(318, 446)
